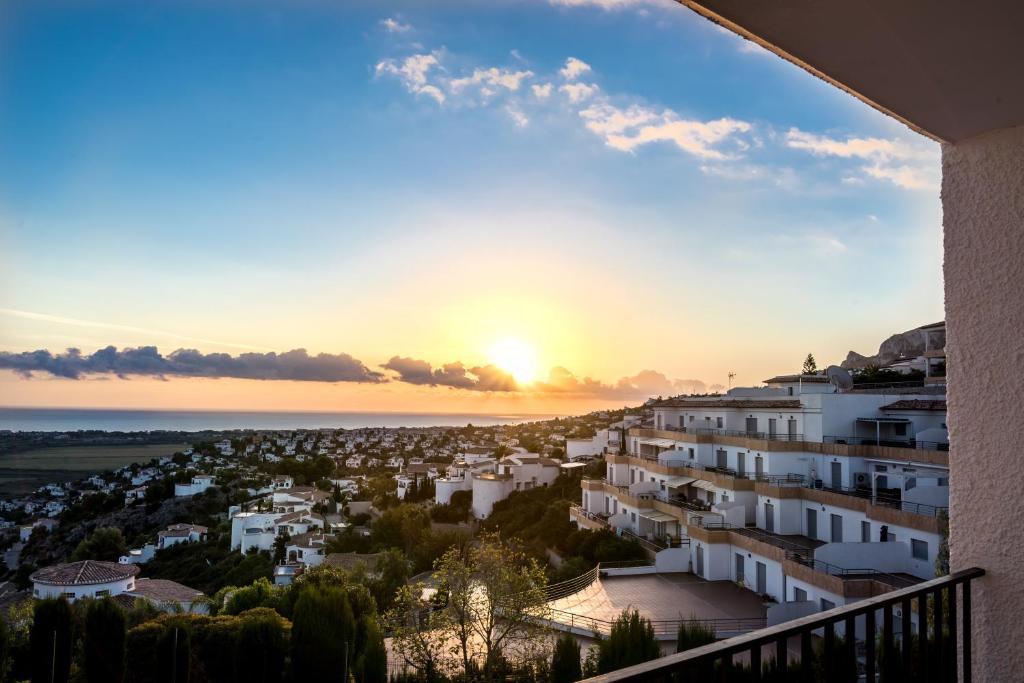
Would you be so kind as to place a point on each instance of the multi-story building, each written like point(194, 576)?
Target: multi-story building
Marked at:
point(795, 490)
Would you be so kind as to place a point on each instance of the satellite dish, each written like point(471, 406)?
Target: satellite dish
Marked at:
point(840, 378)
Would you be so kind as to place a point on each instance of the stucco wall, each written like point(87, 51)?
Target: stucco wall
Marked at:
point(983, 208)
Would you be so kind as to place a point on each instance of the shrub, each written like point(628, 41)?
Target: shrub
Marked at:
point(565, 661)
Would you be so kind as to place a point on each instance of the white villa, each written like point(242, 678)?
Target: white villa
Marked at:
point(199, 483)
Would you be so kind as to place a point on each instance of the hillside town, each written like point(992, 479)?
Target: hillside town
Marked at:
point(790, 498)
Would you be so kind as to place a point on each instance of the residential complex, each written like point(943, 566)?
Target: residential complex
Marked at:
point(797, 490)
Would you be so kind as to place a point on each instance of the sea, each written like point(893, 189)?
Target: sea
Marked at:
point(75, 419)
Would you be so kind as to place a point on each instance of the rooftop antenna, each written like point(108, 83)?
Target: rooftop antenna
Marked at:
point(839, 378)
point(732, 376)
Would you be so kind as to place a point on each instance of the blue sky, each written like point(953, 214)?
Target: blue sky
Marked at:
point(229, 175)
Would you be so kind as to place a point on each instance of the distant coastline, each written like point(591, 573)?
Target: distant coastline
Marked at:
point(124, 420)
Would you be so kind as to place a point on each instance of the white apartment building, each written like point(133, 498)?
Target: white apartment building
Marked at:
point(796, 491)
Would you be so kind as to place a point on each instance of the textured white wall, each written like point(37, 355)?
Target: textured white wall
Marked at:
point(983, 207)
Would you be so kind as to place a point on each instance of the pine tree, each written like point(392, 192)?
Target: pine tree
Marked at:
point(322, 625)
point(631, 641)
point(50, 641)
point(565, 661)
point(810, 365)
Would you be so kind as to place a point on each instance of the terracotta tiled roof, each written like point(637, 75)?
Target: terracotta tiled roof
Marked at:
point(84, 573)
point(916, 404)
point(352, 560)
point(308, 540)
point(162, 590)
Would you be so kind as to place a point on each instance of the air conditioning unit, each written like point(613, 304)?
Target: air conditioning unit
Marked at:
point(861, 480)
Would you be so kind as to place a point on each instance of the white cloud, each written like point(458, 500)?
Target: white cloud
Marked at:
point(392, 25)
point(907, 165)
point(604, 4)
point(827, 245)
point(495, 77)
point(578, 92)
point(413, 71)
point(518, 117)
point(625, 130)
point(782, 177)
point(573, 69)
point(541, 92)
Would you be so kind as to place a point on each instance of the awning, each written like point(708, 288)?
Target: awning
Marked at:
point(706, 485)
point(658, 517)
point(673, 482)
point(663, 443)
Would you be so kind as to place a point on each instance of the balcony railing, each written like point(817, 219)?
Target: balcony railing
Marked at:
point(853, 573)
point(882, 499)
point(742, 433)
point(829, 648)
point(892, 443)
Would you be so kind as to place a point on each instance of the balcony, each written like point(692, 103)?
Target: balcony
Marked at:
point(865, 639)
point(890, 443)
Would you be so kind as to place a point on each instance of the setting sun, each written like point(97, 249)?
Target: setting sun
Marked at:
point(517, 358)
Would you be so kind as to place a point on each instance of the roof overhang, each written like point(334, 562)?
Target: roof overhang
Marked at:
point(948, 69)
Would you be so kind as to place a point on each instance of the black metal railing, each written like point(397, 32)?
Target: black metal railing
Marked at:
point(882, 499)
point(892, 443)
point(852, 573)
point(743, 433)
point(911, 634)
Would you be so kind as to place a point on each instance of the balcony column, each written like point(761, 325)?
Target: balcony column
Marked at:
point(983, 220)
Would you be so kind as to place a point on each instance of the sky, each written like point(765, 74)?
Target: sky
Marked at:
point(532, 207)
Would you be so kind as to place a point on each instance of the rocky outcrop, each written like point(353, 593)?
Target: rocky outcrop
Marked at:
point(909, 344)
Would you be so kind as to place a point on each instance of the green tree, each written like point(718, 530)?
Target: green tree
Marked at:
point(51, 641)
point(392, 574)
point(260, 593)
point(631, 642)
point(6, 645)
point(323, 634)
point(565, 661)
point(261, 648)
point(810, 365)
point(495, 600)
point(372, 666)
point(174, 653)
point(104, 543)
point(281, 546)
point(103, 646)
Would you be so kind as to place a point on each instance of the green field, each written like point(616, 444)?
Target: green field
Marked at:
point(23, 472)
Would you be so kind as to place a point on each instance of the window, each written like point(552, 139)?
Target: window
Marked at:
point(919, 549)
point(632, 517)
point(102, 593)
point(691, 454)
point(718, 422)
point(827, 605)
point(772, 426)
point(751, 425)
point(691, 418)
point(900, 429)
point(865, 532)
point(69, 596)
point(799, 594)
point(681, 421)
